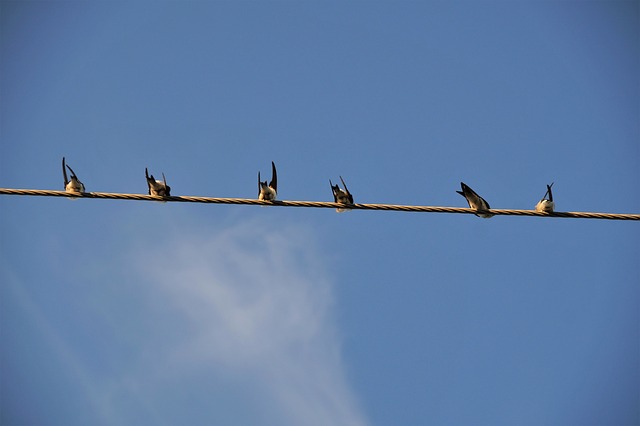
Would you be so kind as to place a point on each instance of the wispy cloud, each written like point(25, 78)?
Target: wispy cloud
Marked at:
point(256, 306)
point(209, 326)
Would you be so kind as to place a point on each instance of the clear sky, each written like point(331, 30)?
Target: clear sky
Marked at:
point(129, 312)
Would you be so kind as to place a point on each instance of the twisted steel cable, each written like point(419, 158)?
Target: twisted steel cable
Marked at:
point(315, 204)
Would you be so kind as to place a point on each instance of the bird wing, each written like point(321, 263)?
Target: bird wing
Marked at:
point(149, 179)
point(274, 177)
point(334, 188)
point(64, 173)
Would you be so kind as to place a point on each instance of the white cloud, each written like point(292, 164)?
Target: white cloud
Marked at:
point(256, 307)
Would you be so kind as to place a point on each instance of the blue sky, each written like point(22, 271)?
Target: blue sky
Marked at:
point(119, 312)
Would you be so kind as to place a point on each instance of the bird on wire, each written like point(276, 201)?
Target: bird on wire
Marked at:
point(268, 191)
point(546, 205)
point(475, 201)
point(71, 185)
point(341, 195)
point(159, 188)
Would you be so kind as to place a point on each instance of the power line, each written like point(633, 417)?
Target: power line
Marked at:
point(314, 204)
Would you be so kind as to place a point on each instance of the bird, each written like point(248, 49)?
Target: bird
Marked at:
point(73, 185)
point(268, 192)
point(341, 195)
point(475, 201)
point(546, 204)
point(157, 187)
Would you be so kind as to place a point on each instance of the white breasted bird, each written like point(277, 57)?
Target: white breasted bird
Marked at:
point(268, 192)
point(546, 204)
point(341, 195)
point(159, 188)
point(74, 184)
point(475, 201)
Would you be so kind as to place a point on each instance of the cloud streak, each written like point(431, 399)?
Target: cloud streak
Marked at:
point(258, 308)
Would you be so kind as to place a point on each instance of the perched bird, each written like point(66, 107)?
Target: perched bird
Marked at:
point(73, 185)
point(157, 187)
point(475, 201)
point(341, 195)
point(268, 192)
point(546, 204)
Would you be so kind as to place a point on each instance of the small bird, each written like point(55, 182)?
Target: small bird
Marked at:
point(546, 204)
point(475, 201)
point(73, 185)
point(341, 195)
point(157, 187)
point(268, 192)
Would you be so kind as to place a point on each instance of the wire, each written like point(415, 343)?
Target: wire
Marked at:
point(316, 204)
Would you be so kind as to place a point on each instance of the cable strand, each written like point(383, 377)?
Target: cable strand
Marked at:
point(315, 204)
